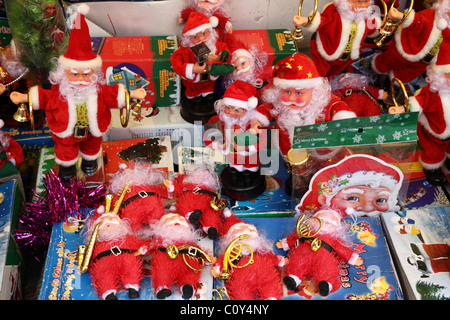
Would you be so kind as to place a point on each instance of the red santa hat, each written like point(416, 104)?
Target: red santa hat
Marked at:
point(230, 223)
point(241, 94)
point(79, 52)
point(198, 22)
point(296, 71)
point(354, 170)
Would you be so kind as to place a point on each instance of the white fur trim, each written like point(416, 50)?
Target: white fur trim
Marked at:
point(121, 98)
point(353, 258)
point(344, 115)
point(345, 34)
point(297, 83)
point(66, 163)
point(189, 73)
point(372, 64)
point(198, 29)
point(409, 20)
point(227, 213)
point(79, 64)
point(444, 68)
point(241, 53)
point(262, 119)
point(431, 166)
point(445, 100)
point(315, 23)
point(432, 39)
point(91, 157)
point(34, 97)
point(83, 9)
point(92, 109)
point(236, 103)
point(415, 106)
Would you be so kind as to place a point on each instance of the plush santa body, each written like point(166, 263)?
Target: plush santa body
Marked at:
point(433, 126)
point(321, 266)
point(11, 154)
point(297, 74)
point(173, 229)
point(143, 202)
point(410, 52)
point(183, 60)
point(335, 45)
point(194, 192)
point(261, 279)
point(216, 8)
point(78, 105)
point(116, 259)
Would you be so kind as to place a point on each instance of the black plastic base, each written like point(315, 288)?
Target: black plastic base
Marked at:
point(89, 167)
point(198, 109)
point(244, 185)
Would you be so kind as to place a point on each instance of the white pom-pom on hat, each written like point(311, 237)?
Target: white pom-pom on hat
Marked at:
point(2, 123)
point(214, 21)
point(252, 102)
point(83, 9)
point(101, 209)
point(441, 24)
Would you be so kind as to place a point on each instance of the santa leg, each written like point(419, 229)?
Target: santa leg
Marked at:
point(104, 274)
point(432, 156)
point(131, 274)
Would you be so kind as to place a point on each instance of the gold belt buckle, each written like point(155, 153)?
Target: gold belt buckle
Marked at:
point(81, 131)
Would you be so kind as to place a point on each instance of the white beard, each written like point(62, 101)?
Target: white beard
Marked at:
point(173, 233)
point(345, 9)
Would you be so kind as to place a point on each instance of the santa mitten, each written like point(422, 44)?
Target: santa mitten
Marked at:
point(220, 69)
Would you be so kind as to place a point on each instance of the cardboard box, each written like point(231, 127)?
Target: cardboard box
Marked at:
point(277, 43)
point(45, 162)
point(11, 201)
point(141, 62)
point(31, 140)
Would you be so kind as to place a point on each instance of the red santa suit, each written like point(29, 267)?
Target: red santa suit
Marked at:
point(183, 59)
point(260, 279)
point(433, 126)
point(320, 265)
point(62, 118)
point(409, 54)
point(115, 264)
point(333, 33)
point(62, 114)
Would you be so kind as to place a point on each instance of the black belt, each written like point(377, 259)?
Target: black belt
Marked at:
point(324, 245)
point(204, 191)
point(113, 251)
point(141, 194)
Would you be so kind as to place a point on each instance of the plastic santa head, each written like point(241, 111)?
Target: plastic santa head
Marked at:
point(250, 64)
point(203, 175)
point(359, 184)
point(442, 14)
point(354, 9)
point(199, 29)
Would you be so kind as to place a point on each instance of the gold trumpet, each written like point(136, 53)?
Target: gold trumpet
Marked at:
point(121, 195)
point(218, 203)
point(85, 253)
point(24, 114)
point(233, 253)
point(192, 253)
point(396, 108)
point(304, 230)
point(133, 109)
point(297, 33)
point(389, 25)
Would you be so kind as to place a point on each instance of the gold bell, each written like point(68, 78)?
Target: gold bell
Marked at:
point(22, 114)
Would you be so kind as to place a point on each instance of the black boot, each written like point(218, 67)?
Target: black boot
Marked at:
point(133, 293)
point(290, 283)
point(111, 296)
point(213, 233)
point(163, 293)
point(187, 291)
point(435, 177)
point(195, 216)
point(324, 288)
point(89, 167)
point(67, 172)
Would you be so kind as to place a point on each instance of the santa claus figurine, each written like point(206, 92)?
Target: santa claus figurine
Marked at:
point(339, 32)
point(78, 105)
point(254, 271)
point(144, 193)
point(416, 42)
point(116, 257)
point(357, 91)
point(198, 199)
point(197, 61)
point(177, 258)
point(210, 8)
point(11, 154)
point(433, 127)
point(314, 258)
point(236, 113)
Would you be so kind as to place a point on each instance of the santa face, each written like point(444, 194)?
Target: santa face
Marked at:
point(112, 228)
point(79, 77)
point(296, 99)
point(359, 4)
point(209, 4)
point(242, 64)
point(360, 198)
point(200, 37)
point(233, 111)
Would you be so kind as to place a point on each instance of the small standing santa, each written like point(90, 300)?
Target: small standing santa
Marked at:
point(339, 33)
point(314, 261)
point(433, 125)
point(416, 42)
point(11, 154)
point(177, 257)
point(116, 257)
point(78, 104)
point(254, 274)
point(237, 113)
